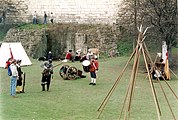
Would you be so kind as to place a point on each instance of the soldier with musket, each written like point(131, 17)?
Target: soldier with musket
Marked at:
point(19, 78)
point(46, 74)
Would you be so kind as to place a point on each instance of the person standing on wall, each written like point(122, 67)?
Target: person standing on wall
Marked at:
point(45, 18)
point(35, 18)
point(52, 17)
point(94, 65)
point(13, 79)
point(3, 16)
point(19, 78)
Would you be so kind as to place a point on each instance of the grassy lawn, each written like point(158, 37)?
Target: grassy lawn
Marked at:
point(76, 100)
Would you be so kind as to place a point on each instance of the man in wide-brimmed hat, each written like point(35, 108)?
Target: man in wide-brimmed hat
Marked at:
point(19, 79)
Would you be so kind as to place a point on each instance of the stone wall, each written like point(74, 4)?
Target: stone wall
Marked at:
point(59, 38)
point(80, 11)
point(16, 11)
point(33, 41)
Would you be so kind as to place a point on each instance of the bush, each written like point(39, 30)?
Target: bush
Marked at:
point(125, 48)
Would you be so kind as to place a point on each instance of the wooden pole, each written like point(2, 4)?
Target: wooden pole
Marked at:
point(168, 85)
point(23, 86)
point(152, 68)
point(134, 80)
point(173, 73)
point(171, 89)
point(156, 99)
point(155, 68)
point(151, 84)
point(58, 64)
point(132, 85)
point(104, 102)
point(166, 99)
point(125, 100)
point(126, 97)
point(141, 47)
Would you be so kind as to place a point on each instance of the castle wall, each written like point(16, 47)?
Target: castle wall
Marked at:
point(80, 11)
point(59, 38)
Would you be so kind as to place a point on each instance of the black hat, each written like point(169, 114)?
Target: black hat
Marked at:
point(18, 61)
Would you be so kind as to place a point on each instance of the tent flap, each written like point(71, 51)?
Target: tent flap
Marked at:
point(18, 53)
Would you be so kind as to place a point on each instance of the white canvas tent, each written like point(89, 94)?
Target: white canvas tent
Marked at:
point(18, 53)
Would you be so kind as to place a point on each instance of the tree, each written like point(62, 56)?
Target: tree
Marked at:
point(159, 14)
point(163, 17)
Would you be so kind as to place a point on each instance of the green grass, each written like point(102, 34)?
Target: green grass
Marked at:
point(175, 51)
point(2, 35)
point(76, 100)
point(30, 26)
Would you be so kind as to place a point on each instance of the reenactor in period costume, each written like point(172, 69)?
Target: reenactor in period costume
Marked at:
point(49, 56)
point(46, 74)
point(19, 78)
point(94, 65)
point(89, 55)
point(69, 56)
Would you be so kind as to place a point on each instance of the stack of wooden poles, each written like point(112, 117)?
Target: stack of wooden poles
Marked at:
point(139, 50)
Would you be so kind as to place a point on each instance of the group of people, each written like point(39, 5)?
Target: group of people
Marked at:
point(51, 18)
point(15, 76)
point(70, 56)
point(16, 81)
point(93, 63)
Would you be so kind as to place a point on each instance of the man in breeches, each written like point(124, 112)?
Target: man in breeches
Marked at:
point(46, 74)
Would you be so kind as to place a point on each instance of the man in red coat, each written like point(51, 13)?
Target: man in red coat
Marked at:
point(94, 65)
point(69, 55)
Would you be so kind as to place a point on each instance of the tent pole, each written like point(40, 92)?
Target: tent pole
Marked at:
point(173, 73)
point(166, 99)
point(152, 88)
point(103, 104)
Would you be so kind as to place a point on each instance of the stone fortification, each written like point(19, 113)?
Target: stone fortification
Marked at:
point(59, 38)
point(80, 11)
point(33, 40)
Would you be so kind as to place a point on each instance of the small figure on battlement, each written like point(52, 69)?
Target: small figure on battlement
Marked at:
point(35, 18)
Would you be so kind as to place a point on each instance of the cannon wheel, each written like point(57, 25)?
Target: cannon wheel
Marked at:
point(63, 72)
point(72, 73)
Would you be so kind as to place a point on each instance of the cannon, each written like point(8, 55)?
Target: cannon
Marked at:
point(70, 73)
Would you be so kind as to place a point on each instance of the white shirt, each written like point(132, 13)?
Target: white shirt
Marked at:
point(34, 15)
point(51, 16)
point(88, 56)
point(13, 68)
